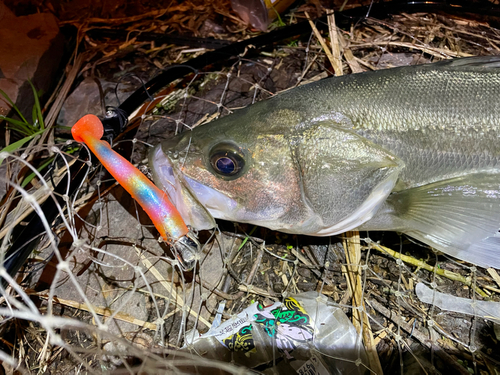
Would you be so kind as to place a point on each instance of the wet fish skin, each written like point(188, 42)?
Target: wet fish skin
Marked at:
point(413, 149)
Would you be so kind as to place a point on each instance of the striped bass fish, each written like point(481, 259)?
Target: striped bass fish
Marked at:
point(412, 149)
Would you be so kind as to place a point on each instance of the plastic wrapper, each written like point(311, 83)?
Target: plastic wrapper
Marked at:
point(485, 309)
point(304, 334)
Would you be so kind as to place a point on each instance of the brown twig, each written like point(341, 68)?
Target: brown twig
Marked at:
point(421, 264)
point(321, 41)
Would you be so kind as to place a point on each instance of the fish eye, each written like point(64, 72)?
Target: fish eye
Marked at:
point(227, 160)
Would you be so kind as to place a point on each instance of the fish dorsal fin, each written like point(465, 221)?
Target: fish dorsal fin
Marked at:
point(484, 64)
point(459, 216)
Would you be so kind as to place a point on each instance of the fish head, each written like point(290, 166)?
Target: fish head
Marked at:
point(271, 168)
point(224, 171)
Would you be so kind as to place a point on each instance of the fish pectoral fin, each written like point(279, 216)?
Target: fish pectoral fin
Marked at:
point(459, 216)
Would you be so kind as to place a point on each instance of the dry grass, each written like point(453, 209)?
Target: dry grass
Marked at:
point(118, 299)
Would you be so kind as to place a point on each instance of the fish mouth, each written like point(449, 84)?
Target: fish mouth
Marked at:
point(167, 177)
point(215, 202)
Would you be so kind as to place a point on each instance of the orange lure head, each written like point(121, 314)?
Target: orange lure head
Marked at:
point(89, 125)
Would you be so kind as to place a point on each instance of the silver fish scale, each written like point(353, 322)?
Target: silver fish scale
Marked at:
point(440, 123)
point(416, 100)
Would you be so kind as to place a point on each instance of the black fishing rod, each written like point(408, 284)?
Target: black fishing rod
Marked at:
point(115, 121)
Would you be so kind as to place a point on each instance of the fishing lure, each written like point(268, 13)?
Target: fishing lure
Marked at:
point(155, 202)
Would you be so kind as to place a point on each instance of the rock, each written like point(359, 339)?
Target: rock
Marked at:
point(86, 98)
point(31, 49)
point(391, 60)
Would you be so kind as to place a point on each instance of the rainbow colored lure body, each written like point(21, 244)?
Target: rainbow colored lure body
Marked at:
point(154, 201)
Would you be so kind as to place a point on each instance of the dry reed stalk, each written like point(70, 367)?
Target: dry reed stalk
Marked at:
point(439, 271)
point(336, 47)
point(321, 40)
point(360, 319)
point(103, 311)
point(494, 275)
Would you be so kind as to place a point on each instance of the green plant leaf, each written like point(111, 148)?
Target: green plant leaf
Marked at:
point(30, 177)
point(4, 94)
point(16, 145)
point(15, 122)
point(246, 238)
point(18, 126)
point(37, 107)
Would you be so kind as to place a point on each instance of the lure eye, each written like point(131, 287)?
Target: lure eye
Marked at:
point(227, 160)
